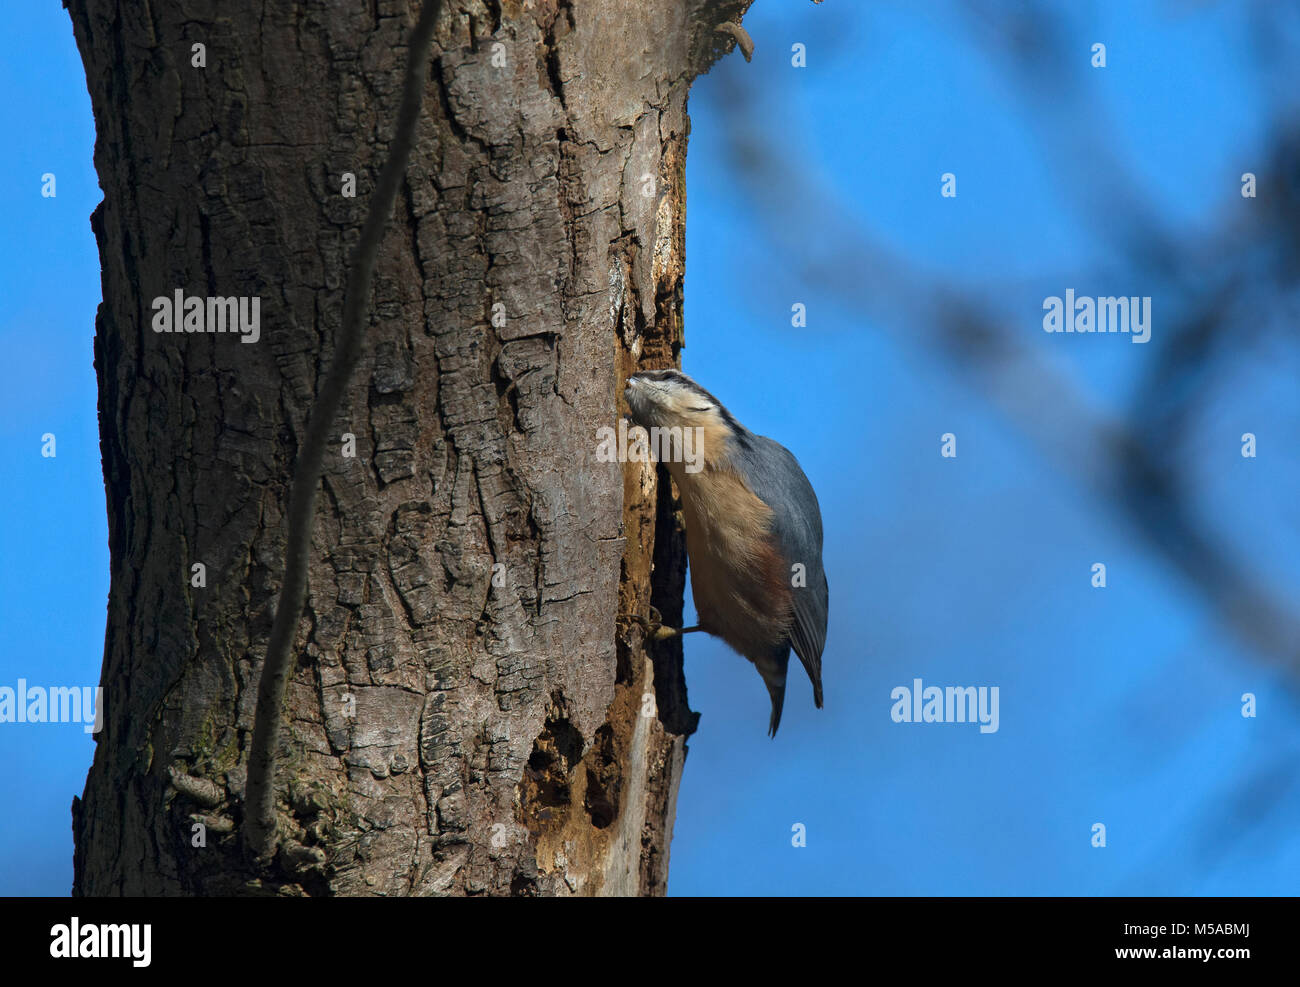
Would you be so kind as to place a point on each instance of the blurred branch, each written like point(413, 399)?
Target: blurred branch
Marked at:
point(1125, 462)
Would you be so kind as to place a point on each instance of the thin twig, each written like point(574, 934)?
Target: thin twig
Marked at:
point(743, 40)
point(259, 819)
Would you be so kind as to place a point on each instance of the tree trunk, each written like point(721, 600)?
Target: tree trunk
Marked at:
point(471, 711)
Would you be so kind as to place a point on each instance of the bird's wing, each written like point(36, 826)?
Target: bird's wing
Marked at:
point(797, 529)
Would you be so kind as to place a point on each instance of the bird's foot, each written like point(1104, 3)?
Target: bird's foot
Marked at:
point(654, 628)
point(656, 631)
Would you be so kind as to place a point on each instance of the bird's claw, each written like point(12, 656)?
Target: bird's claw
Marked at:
point(654, 628)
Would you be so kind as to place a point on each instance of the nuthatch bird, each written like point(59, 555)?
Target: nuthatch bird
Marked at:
point(753, 530)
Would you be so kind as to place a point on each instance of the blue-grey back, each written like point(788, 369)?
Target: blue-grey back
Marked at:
point(778, 480)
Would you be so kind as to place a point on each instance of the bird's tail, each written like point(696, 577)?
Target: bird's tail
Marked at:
point(777, 692)
point(773, 667)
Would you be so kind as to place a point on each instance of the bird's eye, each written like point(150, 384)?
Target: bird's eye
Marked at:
point(697, 407)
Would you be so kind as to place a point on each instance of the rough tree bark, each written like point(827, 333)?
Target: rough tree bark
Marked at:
point(471, 712)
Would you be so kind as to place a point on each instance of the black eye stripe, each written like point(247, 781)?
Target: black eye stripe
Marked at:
point(678, 378)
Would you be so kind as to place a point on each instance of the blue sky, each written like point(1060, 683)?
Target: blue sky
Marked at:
point(54, 573)
point(1119, 706)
